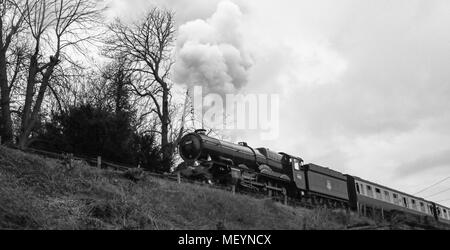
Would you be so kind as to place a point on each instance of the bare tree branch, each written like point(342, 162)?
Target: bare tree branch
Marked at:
point(11, 23)
point(55, 25)
point(148, 45)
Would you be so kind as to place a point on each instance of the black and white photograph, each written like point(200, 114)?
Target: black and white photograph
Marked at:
point(221, 122)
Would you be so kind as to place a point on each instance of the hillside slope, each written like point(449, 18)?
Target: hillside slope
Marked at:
point(41, 193)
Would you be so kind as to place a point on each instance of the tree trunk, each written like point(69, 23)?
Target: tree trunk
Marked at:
point(5, 122)
point(31, 114)
point(31, 81)
point(165, 147)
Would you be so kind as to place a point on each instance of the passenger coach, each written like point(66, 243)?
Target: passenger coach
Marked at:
point(366, 196)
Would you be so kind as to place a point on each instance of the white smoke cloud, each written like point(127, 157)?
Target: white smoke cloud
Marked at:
point(211, 52)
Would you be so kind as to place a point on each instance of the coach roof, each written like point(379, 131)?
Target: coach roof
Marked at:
point(388, 188)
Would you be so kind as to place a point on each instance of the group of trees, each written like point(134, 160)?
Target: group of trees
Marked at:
point(121, 110)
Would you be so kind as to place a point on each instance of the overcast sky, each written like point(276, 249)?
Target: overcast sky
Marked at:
point(364, 84)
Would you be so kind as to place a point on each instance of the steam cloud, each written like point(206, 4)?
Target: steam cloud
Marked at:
point(211, 53)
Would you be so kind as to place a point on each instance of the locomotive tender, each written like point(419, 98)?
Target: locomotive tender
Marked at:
point(281, 174)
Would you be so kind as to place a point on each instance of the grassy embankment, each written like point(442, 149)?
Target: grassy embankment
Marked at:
point(41, 193)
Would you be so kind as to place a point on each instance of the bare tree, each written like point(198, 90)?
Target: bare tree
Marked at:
point(55, 26)
point(148, 45)
point(11, 23)
point(118, 79)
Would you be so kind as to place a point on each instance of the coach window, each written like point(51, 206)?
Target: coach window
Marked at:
point(387, 196)
point(422, 207)
point(413, 204)
point(369, 191)
point(395, 196)
point(445, 214)
point(357, 188)
point(378, 193)
point(405, 202)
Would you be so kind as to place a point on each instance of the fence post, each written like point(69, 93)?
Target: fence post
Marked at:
point(99, 161)
point(178, 177)
point(233, 189)
point(0, 140)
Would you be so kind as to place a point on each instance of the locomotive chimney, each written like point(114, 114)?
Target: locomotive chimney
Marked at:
point(244, 144)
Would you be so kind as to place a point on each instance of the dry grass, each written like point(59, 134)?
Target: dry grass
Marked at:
point(38, 193)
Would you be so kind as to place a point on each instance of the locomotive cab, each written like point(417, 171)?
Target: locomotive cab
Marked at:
point(298, 174)
point(294, 162)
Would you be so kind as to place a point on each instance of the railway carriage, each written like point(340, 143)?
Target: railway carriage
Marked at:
point(442, 213)
point(368, 196)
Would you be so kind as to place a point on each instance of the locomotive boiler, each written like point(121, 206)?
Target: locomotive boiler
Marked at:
point(219, 160)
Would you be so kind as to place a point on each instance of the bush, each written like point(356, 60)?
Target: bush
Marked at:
point(89, 131)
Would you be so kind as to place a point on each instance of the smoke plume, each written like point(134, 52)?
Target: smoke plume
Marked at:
point(211, 52)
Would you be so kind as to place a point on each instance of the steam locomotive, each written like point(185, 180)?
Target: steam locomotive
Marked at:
point(280, 174)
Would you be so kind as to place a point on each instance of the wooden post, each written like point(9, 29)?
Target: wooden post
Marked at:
point(178, 177)
point(382, 214)
point(285, 196)
point(233, 189)
point(99, 161)
point(268, 185)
